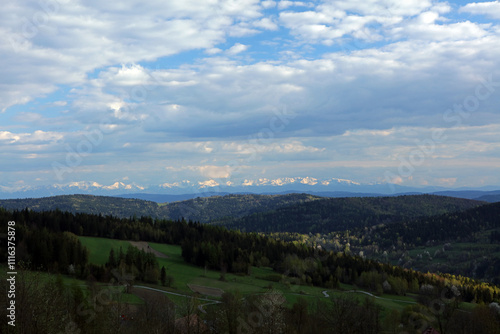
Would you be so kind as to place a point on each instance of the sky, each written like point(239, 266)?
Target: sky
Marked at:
point(156, 92)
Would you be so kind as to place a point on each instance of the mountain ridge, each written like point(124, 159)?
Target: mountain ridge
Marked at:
point(199, 209)
point(339, 214)
point(231, 207)
point(329, 187)
point(210, 186)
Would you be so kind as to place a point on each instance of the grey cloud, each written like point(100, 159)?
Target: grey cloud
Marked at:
point(373, 101)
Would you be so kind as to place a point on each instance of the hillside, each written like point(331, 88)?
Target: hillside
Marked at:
point(198, 209)
point(457, 226)
point(459, 243)
point(465, 243)
point(233, 267)
point(338, 214)
point(301, 213)
point(490, 198)
point(208, 209)
point(114, 206)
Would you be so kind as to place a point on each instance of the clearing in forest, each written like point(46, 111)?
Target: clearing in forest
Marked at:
point(205, 290)
point(142, 245)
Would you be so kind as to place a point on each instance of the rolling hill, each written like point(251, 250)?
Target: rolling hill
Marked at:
point(105, 205)
point(461, 243)
point(489, 198)
point(338, 214)
point(198, 209)
point(215, 208)
point(302, 213)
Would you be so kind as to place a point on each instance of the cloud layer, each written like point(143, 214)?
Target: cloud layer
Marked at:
point(158, 92)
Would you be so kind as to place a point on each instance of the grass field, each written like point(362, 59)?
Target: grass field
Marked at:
point(99, 248)
point(185, 273)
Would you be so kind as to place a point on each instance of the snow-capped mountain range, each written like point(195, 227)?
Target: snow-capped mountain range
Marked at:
point(211, 186)
point(262, 185)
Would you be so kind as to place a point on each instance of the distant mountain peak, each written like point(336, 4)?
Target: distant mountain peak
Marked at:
point(183, 183)
point(262, 185)
point(308, 180)
point(92, 185)
point(332, 180)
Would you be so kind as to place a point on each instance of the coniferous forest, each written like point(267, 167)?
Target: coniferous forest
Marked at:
point(47, 242)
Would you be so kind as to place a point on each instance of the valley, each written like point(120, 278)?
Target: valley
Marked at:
point(382, 257)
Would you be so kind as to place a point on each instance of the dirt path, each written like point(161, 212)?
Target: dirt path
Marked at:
point(376, 297)
point(143, 245)
point(205, 290)
point(176, 294)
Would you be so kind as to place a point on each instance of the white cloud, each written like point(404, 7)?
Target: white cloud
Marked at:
point(215, 172)
point(38, 136)
point(424, 27)
point(383, 7)
point(72, 41)
point(9, 137)
point(368, 88)
point(266, 23)
point(237, 48)
point(364, 20)
point(133, 75)
point(283, 4)
point(361, 78)
point(490, 9)
point(268, 4)
point(213, 51)
point(278, 146)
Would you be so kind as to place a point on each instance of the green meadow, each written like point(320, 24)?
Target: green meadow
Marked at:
point(185, 274)
point(99, 248)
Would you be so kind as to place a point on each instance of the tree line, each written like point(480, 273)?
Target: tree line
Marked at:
point(50, 306)
point(340, 214)
point(42, 236)
point(221, 249)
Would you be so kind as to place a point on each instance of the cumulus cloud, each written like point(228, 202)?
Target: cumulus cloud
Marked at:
point(203, 83)
point(490, 9)
point(54, 47)
point(38, 136)
point(237, 48)
point(369, 87)
point(215, 172)
point(425, 27)
point(329, 22)
point(283, 4)
point(266, 23)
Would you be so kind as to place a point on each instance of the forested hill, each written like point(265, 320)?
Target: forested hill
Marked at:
point(112, 206)
point(338, 214)
point(461, 243)
point(208, 209)
point(490, 198)
point(450, 227)
point(264, 213)
point(48, 241)
point(199, 209)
